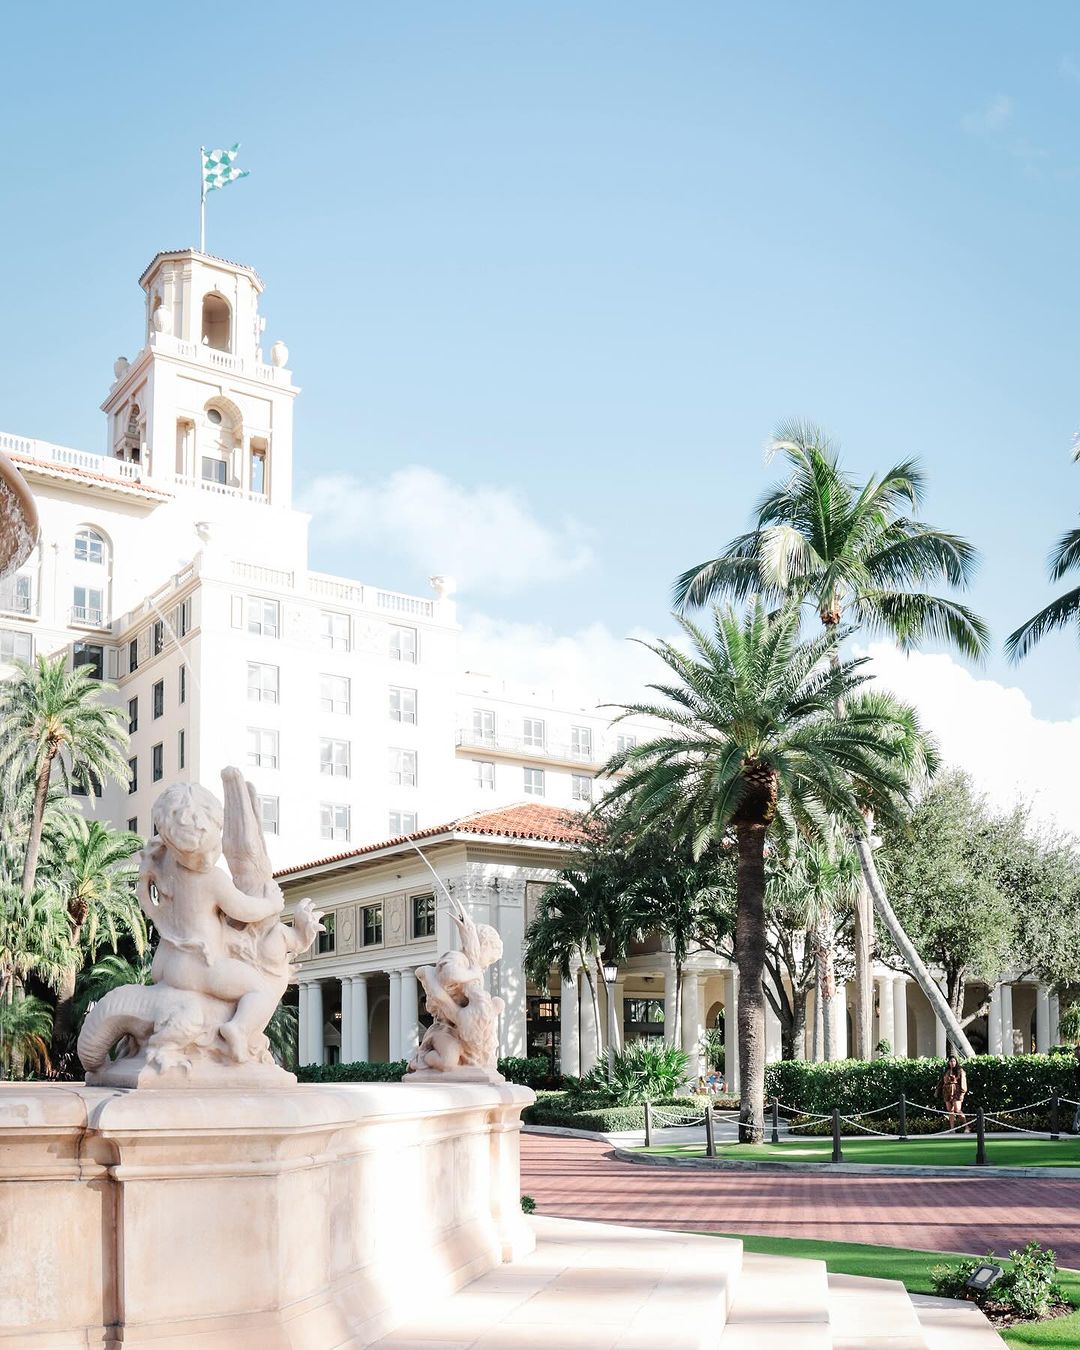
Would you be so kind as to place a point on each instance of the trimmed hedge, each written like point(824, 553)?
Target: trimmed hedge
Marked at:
point(995, 1082)
point(552, 1108)
point(530, 1072)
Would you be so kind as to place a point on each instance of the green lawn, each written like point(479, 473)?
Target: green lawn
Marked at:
point(954, 1151)
point(913, 1269)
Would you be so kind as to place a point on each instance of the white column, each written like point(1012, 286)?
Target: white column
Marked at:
point(317, 1045)
point(620, 1009)
point(1055, 1019)
point(993, 1022)
point(1042, 1019)
point(360, 1047)
point(410, 1025)
point(1006, 1020)
point(886, 1024)
point(670, 1006)
point(394, 1023)
point(838, 1012)
point(731, 1030)
point(569, 1035)
point(774, 1041)
point(347, 1055)
point(899, 990)
point(587, 1026)
point(303, 1035)
point(691, 1022)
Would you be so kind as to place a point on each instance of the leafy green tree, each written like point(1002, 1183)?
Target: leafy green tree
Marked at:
point(34, 939)
point(857, 554)
point(55, 718)
point(25, 1027)
point(1060, 613)
point(113, 971)
point(756, 744)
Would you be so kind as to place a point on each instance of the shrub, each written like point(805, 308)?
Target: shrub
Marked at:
point(558, 1108)
point(530, 1072)
point(642, 1072)
point(528, 1205)
point(996, 1083)
point(1028, 1288)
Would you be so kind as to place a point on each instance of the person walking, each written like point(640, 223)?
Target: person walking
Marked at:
point(953, 1089)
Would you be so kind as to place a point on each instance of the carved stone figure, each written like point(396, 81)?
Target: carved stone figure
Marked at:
point(222, 962)
point(463, 1040)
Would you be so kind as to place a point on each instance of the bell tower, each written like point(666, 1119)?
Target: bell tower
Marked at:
point(199, 408)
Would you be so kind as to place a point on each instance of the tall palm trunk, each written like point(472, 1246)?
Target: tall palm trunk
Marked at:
point(37, 824)
point(797, 1047)
point(591, 981)
point(906, 947)
point(64, 1016)
point(750, 956)
point(827, 986)
point(676, 1026)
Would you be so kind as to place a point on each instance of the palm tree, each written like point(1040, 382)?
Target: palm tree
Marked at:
point(757, 744)
point(856, 554)
point(34, 939)
point(1059, 613)
point(50, 716)
point(113, 971)
point(25, 1025)
point(96, 882)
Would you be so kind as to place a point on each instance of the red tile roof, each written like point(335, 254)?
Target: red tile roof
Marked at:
point(63, 470)
point(543, 824)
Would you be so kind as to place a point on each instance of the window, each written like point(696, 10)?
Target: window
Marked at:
point(534, 733)
point(89, 654)
point(403, 644)
point(15, 595)
point(371, 925)
point(580, 787)
point(402, 705)
point(264, 616)
point(89, 547)
point(581, 742)
point(213, 416)
point(334, 629)
point(483, 725)
point(624, 743)
point(423, 916)
point(133, 775)
point(639, 1013)
point(157, 638)
point(15, 646)
point(327, 936)
point(181, 756)
point(214, 470)
point(133, 825)
point(262, 683)
point(262, 747)
point(81, 783)
point(159, 699)
point(183, 684)
point(183, 617)
point(269, 814)
point(403, 767)
point(133, 655)
point(534, 782)
point(86, 606)
point(334, 757)
point(334, 821)
point(484, 774)
point(258, 472)
point(133, 716)
point(402, 822)
point(157, 763)
point(334, 693)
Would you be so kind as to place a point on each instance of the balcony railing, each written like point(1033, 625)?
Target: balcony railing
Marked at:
point(66, 458)
point(221, 489)
point(87, 616)
point(529, 748)
point(405, 604)
point(219, 360)
point(11, 603)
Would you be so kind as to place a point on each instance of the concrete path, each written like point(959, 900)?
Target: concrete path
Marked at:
point(573, 1179)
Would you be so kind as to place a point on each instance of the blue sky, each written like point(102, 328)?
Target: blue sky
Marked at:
point(576, 261)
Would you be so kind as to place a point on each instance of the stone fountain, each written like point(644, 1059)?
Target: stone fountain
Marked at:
point(18, 518)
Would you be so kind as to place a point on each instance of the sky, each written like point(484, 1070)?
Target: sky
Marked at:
point(550, 275)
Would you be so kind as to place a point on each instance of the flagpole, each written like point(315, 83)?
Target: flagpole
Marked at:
point(202, 199)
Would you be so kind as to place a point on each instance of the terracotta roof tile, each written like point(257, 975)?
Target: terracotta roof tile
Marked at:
point(61, 470)
point(544, 824)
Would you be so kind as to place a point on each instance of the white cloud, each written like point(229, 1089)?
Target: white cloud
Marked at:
point(993, 116)
point(991, 730)
point(486, 537)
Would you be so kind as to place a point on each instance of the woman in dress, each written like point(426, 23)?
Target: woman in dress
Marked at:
point(953, 1089)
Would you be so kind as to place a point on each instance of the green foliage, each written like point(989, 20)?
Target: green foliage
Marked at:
point(111, 972)
point(996, 1083)
point(283, 1033)
point(529, 1072)
point(1028, 1288)
point(714, 1048)
point(528, 1204)
point(25, 1028)
point(556, 1109)
point(646, 1071)
point(1069, 1025)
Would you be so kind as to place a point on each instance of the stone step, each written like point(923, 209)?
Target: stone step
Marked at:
point(779, 1301)
point(949, 1325)
point(872, 1314)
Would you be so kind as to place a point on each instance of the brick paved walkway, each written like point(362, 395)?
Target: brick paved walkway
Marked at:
point(573, 1179)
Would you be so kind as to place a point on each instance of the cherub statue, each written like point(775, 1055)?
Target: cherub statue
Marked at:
point(223, 958)
point(463, 1039)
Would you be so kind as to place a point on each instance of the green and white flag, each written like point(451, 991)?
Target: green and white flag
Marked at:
point(219, 169)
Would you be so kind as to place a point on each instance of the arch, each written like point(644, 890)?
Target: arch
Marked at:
point(232, 419)
point(92, 545)
point(716, 1016)
point(216, 322)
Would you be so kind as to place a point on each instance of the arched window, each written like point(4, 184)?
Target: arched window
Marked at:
point(216, 322)
point(89, 546)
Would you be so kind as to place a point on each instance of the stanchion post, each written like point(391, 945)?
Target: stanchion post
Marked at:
point(980, 1139)
point(775, 1121)
point(1055, 1118)
point(903, 1116)
point(837, 1152)
point(648, 1125)
point(710, 1138)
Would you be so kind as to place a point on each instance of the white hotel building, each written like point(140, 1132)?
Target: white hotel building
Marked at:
point(177, 567)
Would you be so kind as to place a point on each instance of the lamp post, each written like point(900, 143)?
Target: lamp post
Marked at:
point(611, 972)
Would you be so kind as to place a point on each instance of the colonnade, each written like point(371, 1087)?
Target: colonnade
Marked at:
point(355, 1028)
